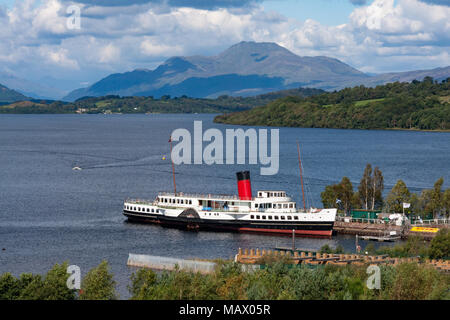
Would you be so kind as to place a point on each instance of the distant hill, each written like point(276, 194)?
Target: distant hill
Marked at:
point(184, 104)
point(247, 68)
point(29, 88)
point(419, 105)
point(437, 74)
point(7, 95)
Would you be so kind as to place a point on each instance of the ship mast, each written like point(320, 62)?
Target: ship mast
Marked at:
point(173, 166)
point(301, 175)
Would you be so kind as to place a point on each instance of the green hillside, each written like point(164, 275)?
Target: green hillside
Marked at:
point(417, 105)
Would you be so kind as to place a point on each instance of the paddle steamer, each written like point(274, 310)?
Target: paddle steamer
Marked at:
point(270, 211)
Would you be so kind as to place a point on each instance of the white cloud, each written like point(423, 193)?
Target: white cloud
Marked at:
point(385, 35)
point(109, 53)
point(150, 48)
point(58, 57)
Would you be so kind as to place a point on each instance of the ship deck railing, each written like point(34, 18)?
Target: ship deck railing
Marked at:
point(139, 201)
point(202, 195)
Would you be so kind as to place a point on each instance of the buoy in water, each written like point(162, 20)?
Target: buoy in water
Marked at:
point(76, 168)
point(164, 157)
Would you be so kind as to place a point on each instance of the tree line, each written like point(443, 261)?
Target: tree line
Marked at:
point(145, 104)
point(421, 105)
point(369, 196)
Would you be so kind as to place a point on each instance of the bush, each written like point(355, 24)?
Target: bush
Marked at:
point(98, 284)
point(440, 245)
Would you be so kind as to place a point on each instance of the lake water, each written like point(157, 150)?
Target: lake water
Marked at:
point(50, 213)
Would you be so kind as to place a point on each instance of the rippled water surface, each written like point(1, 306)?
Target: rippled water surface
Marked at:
point(50, 213)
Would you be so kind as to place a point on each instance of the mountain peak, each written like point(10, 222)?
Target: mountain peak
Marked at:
point(254, 48)
point(247, 66)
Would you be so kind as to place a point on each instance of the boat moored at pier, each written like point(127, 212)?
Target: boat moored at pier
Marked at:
point(270, 211)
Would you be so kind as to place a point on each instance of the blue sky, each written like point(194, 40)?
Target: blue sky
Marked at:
point(328, 12)
point(373, 36)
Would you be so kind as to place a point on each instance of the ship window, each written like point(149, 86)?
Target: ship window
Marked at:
point(257, 217)
point(283, 218)
point(259, 194)
point(285, 205)
point(256, 205)
point(270, 217)
point(148, 209)
point(295, 218)
point(263, 217)
point(289, 218)
point(291, 205)
point(252, 217)
point(276, 217)
point(190, 201)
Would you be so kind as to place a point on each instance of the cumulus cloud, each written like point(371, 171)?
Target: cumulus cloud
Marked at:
point(385, 35)
point(199, 4)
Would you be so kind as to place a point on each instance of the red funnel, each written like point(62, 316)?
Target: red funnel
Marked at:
point(244, 185)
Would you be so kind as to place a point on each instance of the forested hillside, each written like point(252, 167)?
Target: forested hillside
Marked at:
point(422, 105)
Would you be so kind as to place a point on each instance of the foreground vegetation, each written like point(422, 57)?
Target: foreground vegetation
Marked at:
point(420, 105)
point(277, 281)
point(430, 203)
point(280, 279)
point(166, 104)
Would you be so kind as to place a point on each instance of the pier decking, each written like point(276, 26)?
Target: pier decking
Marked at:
point(312, 258)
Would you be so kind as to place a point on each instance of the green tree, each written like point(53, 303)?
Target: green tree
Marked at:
point(440, 245)
point(142, 283)
point(52, 287)
point(339, 195)
point(346, 194)
point(329, 196)
point(377, 189)
point(397, 196)
point(446, 202)
point(98, 284)
point(434, 204)
point(365, 188)
point(9, 287)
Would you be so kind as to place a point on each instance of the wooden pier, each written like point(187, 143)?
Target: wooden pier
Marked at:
point(311, 258)
point(376, 228)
